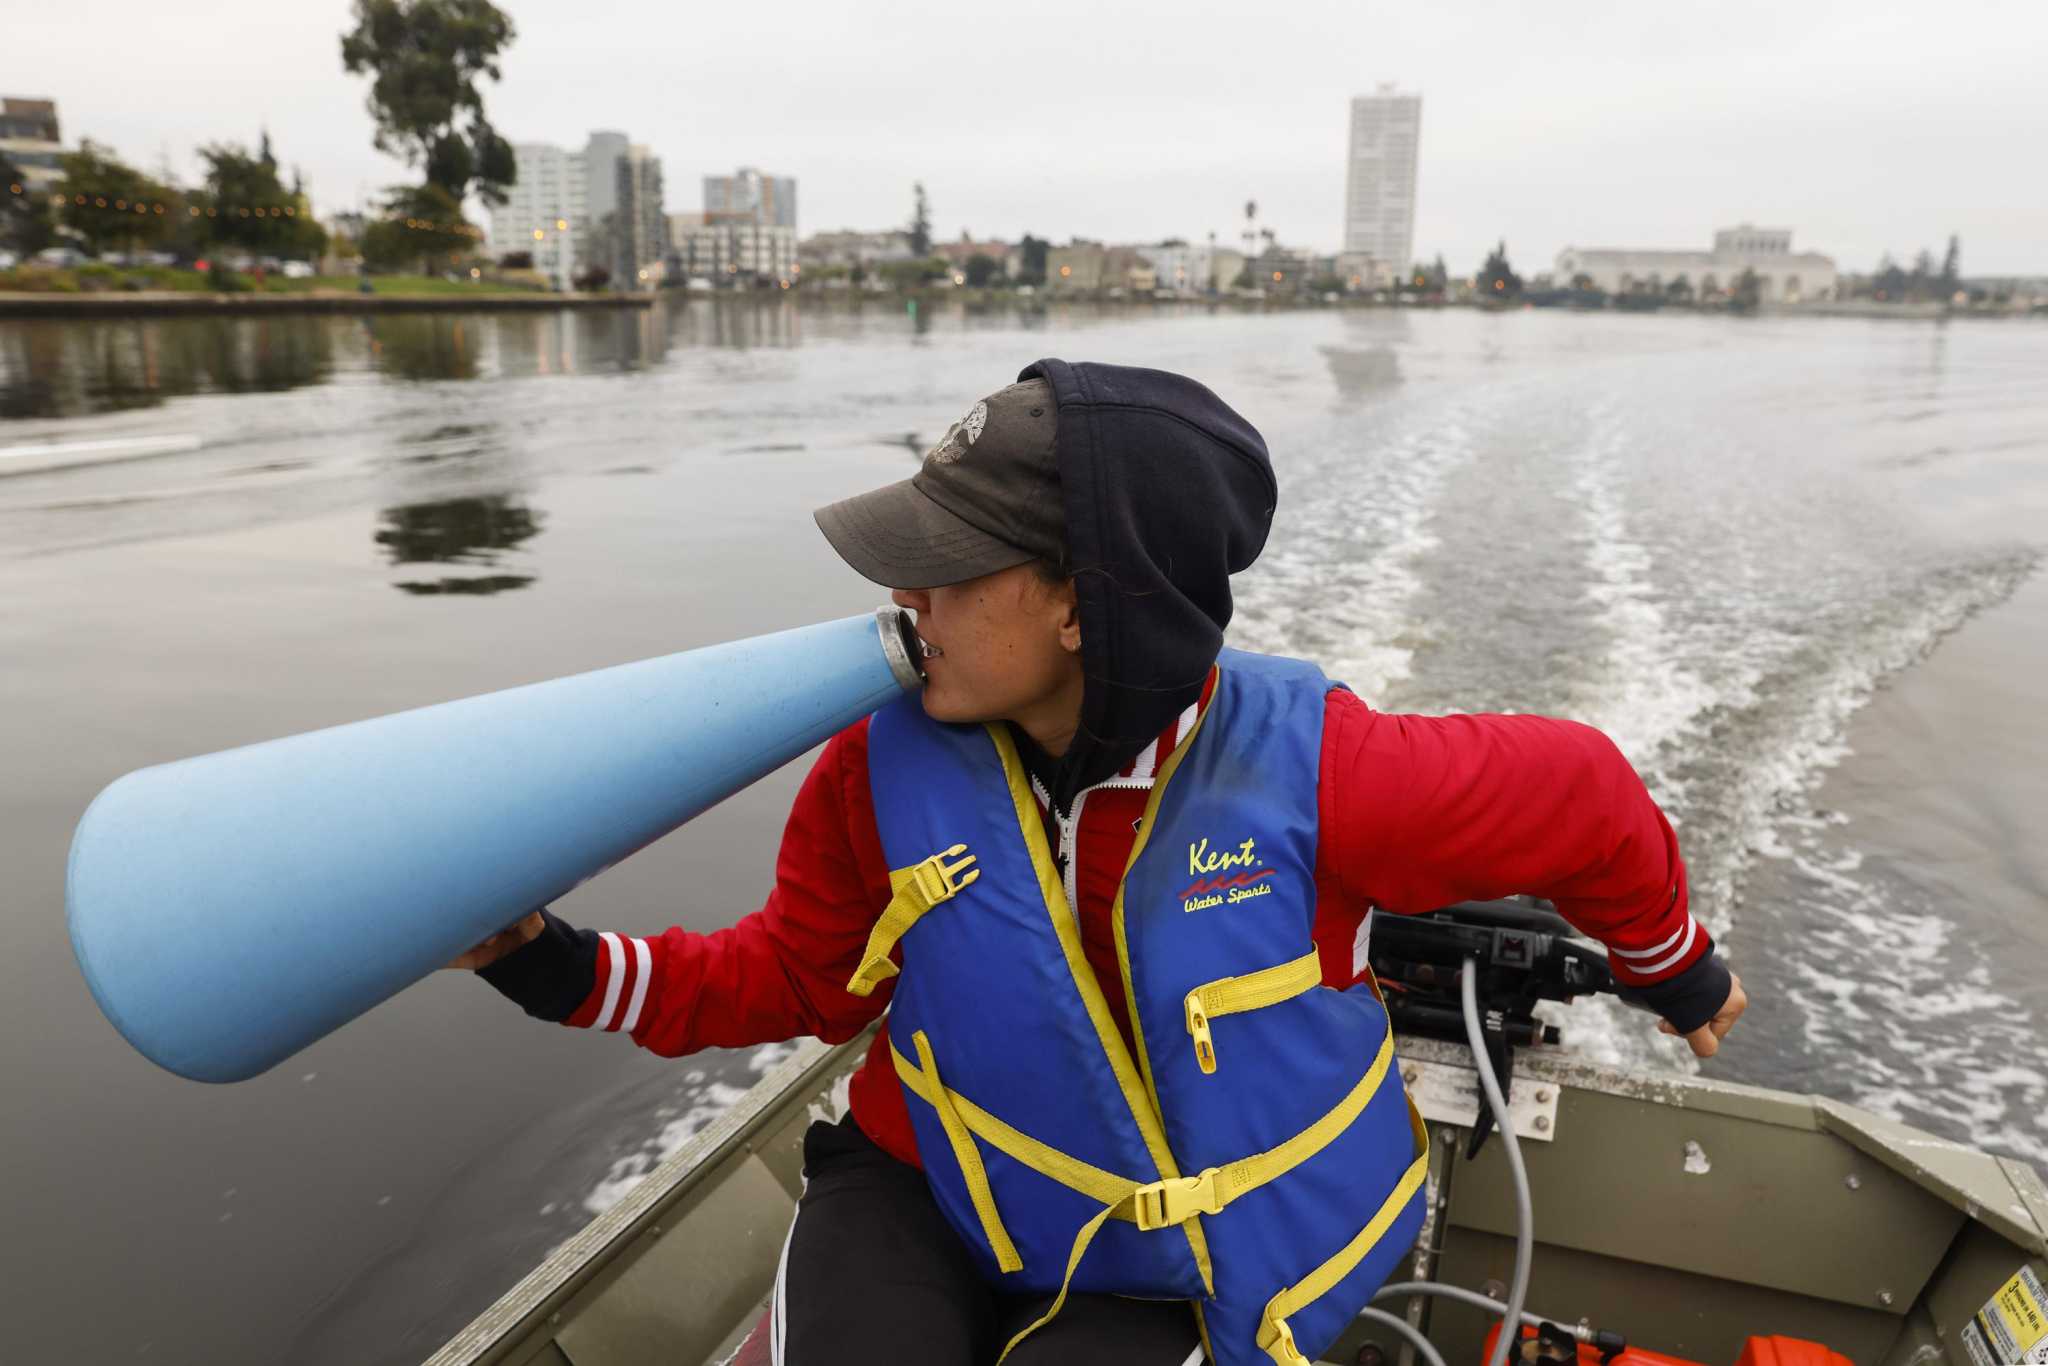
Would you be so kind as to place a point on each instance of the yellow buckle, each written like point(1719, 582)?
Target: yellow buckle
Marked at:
point(1166, 1203)
point(1283, 1347)
point(1198, 1027)
point(937, 880)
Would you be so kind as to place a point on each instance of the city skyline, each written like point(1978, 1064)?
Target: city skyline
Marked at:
point(1870, 130)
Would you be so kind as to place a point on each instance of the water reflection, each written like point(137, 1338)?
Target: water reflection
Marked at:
point(475, 530)
point(62, 369)
point(423, 345)
point(69, 369)
point(1360, 372)
point(572, 342)
point(1369, 363)
point(735, 323)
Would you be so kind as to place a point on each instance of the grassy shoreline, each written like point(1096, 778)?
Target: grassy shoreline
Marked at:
point(97, 290)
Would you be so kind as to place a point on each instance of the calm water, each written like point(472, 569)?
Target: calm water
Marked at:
point(1789, 565)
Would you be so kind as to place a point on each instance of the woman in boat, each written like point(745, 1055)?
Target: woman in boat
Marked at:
point(1113, 883)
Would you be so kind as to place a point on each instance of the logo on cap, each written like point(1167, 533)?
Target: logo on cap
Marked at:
point(963, 434)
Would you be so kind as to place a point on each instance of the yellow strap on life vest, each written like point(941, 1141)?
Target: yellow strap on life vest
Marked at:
point(969, 1158)
point(1059, 1301)
point(1198, 1241)
point(915, 889)
point(1274, 1336)
point(1163, 1203)
point(1132, 1076)
point(1252, 991)
point(1155, 1204)
point(1042, 1158)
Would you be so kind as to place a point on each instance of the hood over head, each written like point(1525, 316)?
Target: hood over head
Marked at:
point(1167, 493)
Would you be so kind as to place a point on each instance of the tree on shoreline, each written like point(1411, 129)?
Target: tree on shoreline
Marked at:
point(425, 229)
point(1432, 279)
point(1747, 293)
point(424, 58)
point(1890, 280)
point(107, 201)
point(1497, 279)
point(245, 205)
point(920, 221)
point(1031, 260)
point(24, 215)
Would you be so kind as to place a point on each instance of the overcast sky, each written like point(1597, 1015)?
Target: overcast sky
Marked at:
point(1863, 125)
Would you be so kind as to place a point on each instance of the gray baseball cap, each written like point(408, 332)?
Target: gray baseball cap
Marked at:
point(987, 498)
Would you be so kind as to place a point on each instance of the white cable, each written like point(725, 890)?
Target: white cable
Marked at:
point(1406, 1330)
point(1518, 1286)
point(1402, 1289)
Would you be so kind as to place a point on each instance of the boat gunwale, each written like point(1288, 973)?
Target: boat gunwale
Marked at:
point(512, 1318)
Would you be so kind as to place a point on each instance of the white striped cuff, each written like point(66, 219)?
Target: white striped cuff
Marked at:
point(629, 968)
point(1647, 962)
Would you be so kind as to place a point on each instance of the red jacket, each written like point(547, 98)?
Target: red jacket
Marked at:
point(1416, 812)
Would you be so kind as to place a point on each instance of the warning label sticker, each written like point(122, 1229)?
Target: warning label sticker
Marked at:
point(2013, 1325)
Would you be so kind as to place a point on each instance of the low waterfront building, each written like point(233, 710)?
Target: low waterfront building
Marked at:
point(1783, 275)
point(847, 247)
point(1192, 269)
point(1283, 270)
point(1076, 267)
point(1362, 272)
point(958, 254)
point(31, 141)
point(732, 253)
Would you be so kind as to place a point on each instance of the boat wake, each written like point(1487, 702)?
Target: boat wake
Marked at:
point(701, 1096)
point(1725, 642)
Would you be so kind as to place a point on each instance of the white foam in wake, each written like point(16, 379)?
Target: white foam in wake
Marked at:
point(700, 1100)
point(1338, 579)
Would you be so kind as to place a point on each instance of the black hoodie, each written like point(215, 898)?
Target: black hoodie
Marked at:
point(1168, 492)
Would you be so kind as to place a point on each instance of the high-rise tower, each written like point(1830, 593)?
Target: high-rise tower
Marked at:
point(1379, 189)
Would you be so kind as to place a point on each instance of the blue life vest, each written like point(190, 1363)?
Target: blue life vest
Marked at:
point(1257, 1155)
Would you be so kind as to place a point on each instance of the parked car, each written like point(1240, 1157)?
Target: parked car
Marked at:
point(297, 270)
point(60, 256)
point(8, 260)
